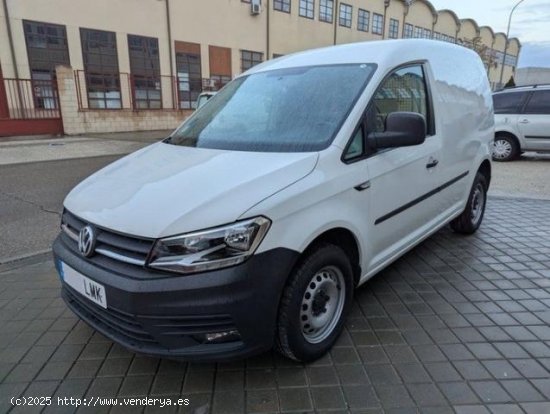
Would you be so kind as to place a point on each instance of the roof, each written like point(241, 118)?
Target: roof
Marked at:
point(385, 53)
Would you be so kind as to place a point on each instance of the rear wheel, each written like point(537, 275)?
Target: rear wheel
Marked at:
point(315, 303)
point(472, 216)
point(505, 148)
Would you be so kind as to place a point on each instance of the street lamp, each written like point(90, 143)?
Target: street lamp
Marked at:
point(507, 41)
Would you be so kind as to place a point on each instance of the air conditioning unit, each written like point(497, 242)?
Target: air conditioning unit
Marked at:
point(255, 7)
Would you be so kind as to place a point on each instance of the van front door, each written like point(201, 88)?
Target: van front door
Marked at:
point(403, 204)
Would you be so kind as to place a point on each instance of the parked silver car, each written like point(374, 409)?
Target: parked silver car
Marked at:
point(522, 121)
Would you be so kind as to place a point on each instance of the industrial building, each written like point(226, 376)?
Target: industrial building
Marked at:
point(140, 64)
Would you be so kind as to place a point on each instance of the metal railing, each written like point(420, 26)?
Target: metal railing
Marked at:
point(118, 91)
point(29, 99)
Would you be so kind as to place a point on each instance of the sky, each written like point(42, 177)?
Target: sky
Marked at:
point(530, 23)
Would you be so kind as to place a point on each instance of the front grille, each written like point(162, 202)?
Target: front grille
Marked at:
point(119, 324)
point(116, 246)
point(148, 332)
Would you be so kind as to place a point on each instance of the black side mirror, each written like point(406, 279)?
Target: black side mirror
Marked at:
point(403, 129)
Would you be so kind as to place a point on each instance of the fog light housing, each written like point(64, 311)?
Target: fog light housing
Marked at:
point(219, 337)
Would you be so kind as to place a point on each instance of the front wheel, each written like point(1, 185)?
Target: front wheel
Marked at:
point(315, 302)
point(472, 216)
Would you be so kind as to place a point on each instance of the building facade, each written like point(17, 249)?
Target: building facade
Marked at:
point(160, 54)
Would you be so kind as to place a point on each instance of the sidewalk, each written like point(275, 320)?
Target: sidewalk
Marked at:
point(19, 150)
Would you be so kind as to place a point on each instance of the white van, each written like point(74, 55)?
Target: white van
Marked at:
point(254, 222)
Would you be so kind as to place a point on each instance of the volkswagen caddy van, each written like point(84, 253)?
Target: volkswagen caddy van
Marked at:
point(252, 224)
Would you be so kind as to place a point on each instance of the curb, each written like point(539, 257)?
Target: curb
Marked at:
point(25, 260)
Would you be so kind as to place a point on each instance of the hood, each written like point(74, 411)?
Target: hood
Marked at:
point(163, 189)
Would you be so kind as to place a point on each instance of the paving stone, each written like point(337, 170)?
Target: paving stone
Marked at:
point(360, 397)
point(460, 324)
point(522, 391)
point(490, 391)
point(394, 396)
point(295, 399)
point(458, 393)
point(261, 401)
point(325, 398)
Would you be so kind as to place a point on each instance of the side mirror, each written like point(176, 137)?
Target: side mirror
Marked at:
point(403, 129)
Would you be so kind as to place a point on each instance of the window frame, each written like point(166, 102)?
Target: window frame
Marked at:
point(393, 28)
point(520, 107)
point(408, 31)
point(88, 73)
point(374, 24)
point(252, 59)
point(430, 121)
point(367, 26)
point(321, 6)
point(306, 9)
point(147, 76)
point(348, 8)
point(282, 4)
point(527, 101)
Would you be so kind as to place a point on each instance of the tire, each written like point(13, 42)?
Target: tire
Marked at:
point(472, 216)
point(309, 324)
point(505, 148)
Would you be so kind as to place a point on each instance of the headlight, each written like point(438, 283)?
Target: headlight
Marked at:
point(209, 249)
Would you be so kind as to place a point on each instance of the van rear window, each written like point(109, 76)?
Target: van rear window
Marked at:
point(285, 110)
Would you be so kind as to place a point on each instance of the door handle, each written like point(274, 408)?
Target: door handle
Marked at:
point(524, 121)
point(432, 163)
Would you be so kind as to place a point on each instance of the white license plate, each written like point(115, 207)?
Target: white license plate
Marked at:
point(86, 287)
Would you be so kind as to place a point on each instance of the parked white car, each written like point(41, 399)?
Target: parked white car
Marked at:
point(522, 121)
point(254, 222)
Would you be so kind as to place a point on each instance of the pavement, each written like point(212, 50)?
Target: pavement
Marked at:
point(458, 325)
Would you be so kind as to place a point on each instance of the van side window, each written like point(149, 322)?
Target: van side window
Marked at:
point(403, 91)
point(539, 103)
point(356, 146)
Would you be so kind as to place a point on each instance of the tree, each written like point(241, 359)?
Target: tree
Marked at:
point(511, 83)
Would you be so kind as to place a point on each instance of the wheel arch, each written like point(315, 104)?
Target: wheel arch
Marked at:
point(509, 134)
point(486, 169)
point(344, 238)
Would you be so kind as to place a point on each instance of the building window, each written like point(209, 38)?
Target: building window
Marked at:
point(306, 8)
point(189, 78)
point(250, 59)
point(418, 32)
point(408, 31)
point(99, 52)
point(363, 19)
point(346, 12)
point(377, 23)
point(46, 48)
point(282, 5)
point(326, 8)
point(394, 29)
point(145, 71)
point(427, 34)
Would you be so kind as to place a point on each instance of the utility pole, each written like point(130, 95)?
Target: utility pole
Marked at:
point(507, 39)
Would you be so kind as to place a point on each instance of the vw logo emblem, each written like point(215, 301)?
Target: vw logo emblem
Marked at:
point(86, 241)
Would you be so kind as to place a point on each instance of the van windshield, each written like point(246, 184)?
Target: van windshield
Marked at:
point(284, 110)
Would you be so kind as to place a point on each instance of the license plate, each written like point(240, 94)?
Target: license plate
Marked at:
point(83, 285)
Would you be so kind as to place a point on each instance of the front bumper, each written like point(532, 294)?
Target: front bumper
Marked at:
point(164, 314)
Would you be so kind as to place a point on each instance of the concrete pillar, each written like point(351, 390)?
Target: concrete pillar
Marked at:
point(68, 100)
